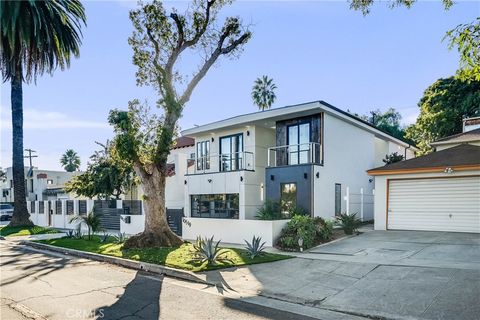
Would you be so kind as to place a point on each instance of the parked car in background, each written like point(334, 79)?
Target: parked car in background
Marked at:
point(6, 211)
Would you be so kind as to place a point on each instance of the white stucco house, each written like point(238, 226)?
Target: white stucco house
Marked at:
point(436, 192)
point(40, 185)
point(308, 155)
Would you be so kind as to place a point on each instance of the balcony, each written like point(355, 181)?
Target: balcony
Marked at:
point(214, 163)
point(295, 154)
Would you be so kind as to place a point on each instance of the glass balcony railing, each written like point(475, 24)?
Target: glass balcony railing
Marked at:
point(221, 163)
point(294, 154)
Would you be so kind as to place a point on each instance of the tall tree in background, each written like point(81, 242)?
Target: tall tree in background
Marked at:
point(70, 161)
point(159, 39)
point(37, 37)
point(388, 121)
point(263, 92)
point(442, 108)
point(466, 37)
point(107, 175)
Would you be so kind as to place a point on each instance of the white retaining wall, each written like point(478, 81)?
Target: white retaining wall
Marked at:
point(232, 230)
point(136, 225)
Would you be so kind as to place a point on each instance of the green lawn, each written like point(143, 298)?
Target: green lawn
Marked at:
point(24, 231)
point(180, 257)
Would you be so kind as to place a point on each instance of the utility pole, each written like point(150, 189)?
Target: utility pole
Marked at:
point(30, 156)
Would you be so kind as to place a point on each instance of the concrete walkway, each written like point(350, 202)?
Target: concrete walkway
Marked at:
point(391, 275)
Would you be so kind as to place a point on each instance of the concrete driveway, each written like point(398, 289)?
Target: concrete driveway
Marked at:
point(380, 275)
point(408, 248)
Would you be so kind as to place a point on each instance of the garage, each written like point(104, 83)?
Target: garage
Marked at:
point(439, 191)
point(437, 204)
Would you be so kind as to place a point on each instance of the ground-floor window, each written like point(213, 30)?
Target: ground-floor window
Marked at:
point(288, 197)
point(338, 199)
point(223, 206)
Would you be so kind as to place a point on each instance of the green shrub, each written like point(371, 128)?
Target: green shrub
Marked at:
point(299, 227)
point(298, 211)
point(325, 230)
point(348, 222)
point(270, 211)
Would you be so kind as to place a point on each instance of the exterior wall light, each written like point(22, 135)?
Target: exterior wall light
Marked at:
point(318, 175)
point(213, 139)
point(272, 177)
point(209, 180)
point(448, 170)
point(300, 244)
point(185, 182)
point(241, 178)
point(248, 133)
point(305, 175)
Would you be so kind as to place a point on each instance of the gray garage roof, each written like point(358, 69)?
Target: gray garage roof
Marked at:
point(462, 157)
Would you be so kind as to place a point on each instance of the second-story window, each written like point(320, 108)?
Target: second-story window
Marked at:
point(231, 152)
point(203, 155)
point(298, 140)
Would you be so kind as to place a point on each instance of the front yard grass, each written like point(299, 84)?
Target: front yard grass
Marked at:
point(179, 257)
point(8, 231)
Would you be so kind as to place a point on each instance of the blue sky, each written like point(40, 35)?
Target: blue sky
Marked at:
point(313, 50)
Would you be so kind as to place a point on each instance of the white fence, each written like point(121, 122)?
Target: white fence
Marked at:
point(359, 202)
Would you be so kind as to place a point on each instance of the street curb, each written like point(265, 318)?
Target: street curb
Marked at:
point(131, 264)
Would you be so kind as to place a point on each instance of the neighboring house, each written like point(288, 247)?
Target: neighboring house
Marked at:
point(438, 192)
point(40, 185)
point(305, 155)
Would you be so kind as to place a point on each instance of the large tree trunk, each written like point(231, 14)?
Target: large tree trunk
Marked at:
point(157, 232)
point(20, 217)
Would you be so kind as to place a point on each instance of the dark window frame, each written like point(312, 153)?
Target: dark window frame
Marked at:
point(298, 151)
point(200, 206)
point(283, 206)
point(203, 157)
point(236, 159)
point(338, 200)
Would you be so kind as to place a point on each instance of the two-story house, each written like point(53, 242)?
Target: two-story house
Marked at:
point(305, 155)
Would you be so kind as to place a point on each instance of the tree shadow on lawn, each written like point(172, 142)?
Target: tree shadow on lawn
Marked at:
point(141, 299)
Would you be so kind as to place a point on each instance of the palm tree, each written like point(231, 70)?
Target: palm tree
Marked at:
point(70, 161)
point(91, 220)
point(263, 92)
point(37, 37)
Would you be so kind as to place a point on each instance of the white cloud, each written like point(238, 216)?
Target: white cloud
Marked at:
point(36, 119)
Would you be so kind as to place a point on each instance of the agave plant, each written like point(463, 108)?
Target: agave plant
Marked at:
point(104, 237)
point(70, 233)
point(77, 234)
point(255, 248)
point(207, 250)
point(120, 238)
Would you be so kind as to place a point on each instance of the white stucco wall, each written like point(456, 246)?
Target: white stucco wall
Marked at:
point(348, 153)
point(380, 206)
point(136, 225)
point(248, 184)
point(233, 231)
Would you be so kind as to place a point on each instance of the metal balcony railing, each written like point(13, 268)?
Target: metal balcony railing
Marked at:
point(293, 154)
point(221, 163)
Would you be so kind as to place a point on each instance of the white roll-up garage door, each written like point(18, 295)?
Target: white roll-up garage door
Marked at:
point(442, 204)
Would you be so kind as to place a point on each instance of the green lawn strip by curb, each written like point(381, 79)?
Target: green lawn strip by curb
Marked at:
point(7, 231)
point(179, 257)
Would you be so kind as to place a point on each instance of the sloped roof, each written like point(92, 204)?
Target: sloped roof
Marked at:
point(463, 157)
point(183, 142)
point(469, 136)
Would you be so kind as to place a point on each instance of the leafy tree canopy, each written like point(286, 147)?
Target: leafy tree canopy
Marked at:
point(442, 108)
point(392, 158)
point(466, 37)
point(388, 121)
point(107, 175)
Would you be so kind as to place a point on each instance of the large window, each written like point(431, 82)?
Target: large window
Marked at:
point(223, 206)
point(288, 197)
point(203, 155)
point(298, 140)
point(231, 153)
